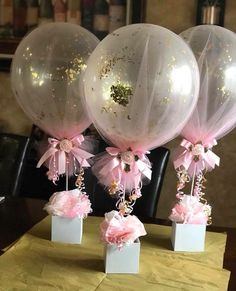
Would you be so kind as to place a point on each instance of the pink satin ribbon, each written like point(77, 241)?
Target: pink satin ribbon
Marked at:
point(116, 166)
point(59, 154)
point(194, 163)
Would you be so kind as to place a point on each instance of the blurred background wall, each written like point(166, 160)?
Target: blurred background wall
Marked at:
point(221, 183)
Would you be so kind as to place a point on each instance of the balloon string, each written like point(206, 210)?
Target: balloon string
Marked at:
point(193, 179)
point(67, 173)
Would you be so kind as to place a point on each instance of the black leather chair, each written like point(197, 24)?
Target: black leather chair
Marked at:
point(13, 155)
point(35, 183)
point(146, 206)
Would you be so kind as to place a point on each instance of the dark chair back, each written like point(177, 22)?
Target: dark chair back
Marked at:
point(13, 153)
point(146, 206)
point(35, 183)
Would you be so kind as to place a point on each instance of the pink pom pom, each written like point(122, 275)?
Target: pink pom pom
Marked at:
point(69, 204)
point(190, 210)
point(119, 230)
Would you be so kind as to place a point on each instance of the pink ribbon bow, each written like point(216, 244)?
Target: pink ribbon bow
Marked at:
point(197, 157)
point(62, 152)
point(129, 166)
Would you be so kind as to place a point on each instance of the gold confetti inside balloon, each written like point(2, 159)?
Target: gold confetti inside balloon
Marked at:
point(141, 86)
point(46, 70)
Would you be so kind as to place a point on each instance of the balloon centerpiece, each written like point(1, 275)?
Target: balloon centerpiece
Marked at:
point(46, 71)
point(214, 116)
point(140, 88)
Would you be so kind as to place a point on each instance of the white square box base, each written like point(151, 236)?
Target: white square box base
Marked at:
point(67, 230)
point(124, 260)
point(188, 237)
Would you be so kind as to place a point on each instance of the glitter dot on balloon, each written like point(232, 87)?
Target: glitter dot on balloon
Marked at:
point(121, 93)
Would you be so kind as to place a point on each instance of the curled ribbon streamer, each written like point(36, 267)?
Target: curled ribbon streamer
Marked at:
point(62, 151)
point(117, 166)
point(198, 156)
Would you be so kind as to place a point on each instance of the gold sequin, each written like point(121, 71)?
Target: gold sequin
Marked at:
point(108, 66)
point(77, 65)
point(121, 93)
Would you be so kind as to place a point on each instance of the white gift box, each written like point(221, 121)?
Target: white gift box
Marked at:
point(188, 237)
point(123, 260)
point(67, 230)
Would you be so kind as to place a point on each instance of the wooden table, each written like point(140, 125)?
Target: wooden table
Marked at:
point(18, 215)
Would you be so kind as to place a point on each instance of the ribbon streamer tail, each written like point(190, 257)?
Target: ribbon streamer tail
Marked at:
point(61, 160)
point(184, 159)
point(109, 167)
point(81, 156)
point(50, 152)
point(212, 159)
point(144, 169)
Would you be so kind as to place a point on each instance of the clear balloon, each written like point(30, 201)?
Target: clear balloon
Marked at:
point(141, 86)
point(215, 114)
point(46, 70)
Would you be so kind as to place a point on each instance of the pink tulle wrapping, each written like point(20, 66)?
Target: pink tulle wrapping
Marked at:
point(69, 204)
point(108, 168)
point(214, 115)
point(66, 156)
point(119, 230)
point(191, 211)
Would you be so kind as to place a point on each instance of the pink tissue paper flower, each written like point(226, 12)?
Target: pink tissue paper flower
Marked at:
point(69, 204)
point(119, 230)
point(190, 210)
